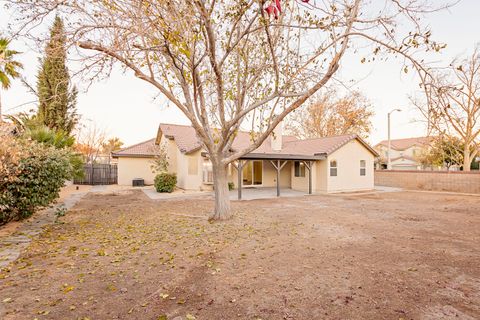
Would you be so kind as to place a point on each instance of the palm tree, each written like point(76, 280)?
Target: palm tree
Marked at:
point(8, 67)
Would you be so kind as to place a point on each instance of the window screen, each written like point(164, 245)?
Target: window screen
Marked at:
point(363, 167)
point(299, 169)
point(333, 168)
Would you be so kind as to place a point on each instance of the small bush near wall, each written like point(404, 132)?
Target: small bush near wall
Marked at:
point(165, 182)
point(231, 186)
point(31, 176)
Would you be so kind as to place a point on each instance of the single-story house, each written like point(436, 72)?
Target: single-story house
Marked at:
point(320, 165)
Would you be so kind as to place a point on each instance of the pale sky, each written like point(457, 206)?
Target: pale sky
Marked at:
point(128, 108)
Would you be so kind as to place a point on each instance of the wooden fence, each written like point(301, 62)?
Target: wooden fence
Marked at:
point(97, 174)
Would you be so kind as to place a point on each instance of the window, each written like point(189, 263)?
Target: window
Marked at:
point(207, 172)
point(363, 167)
point(299, 169)
point(333, 168)
point(192, 166)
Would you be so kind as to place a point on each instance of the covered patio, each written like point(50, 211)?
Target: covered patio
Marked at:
point(278, 162)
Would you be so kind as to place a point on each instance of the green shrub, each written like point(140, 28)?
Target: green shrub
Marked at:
point(231, 186)
point(31, 176)
point(165, 182)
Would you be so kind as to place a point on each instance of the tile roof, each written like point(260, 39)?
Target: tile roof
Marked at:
point(184, 136)
point(403, 144)
point(144, 149)
point(186, 140)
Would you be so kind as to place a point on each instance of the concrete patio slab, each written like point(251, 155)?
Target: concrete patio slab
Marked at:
point(247, 194)
point(265, 193)
point(177, 194)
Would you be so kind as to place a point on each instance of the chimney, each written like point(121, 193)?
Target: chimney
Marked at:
point(276, 139)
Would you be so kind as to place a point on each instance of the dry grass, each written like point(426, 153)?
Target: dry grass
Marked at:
point(123, 256)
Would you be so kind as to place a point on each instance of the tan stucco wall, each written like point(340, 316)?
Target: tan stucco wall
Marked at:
point(301, 183)
point(348, 173)
point(270, 175)
point(131, 168)
point(321, 168)
point(171, 148)
point(184, 179)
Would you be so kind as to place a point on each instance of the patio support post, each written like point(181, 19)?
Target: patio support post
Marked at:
point(278, 166)
point(309, 177)
point(278, 178)
point(309, 165)
point(239, 175)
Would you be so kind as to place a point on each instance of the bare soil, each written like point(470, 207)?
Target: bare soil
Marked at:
point(403, 255)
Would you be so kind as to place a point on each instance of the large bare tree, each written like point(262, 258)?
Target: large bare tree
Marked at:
point(231, 64)
point(452, 104)
point(329, 115)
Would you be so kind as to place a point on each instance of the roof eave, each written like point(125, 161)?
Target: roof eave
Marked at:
point(117, 155)
point(279, 156)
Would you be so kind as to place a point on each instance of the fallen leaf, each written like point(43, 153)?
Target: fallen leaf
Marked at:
point(67, 289)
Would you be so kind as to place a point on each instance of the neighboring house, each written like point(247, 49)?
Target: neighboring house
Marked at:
point(135, 162)
point(404, 153)
point(338, 163)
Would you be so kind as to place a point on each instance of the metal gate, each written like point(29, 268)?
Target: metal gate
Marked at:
point(98, 174)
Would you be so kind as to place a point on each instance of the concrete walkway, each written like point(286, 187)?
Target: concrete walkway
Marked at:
point(12, 245)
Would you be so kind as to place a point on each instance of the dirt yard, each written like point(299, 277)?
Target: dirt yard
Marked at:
point(395, 256)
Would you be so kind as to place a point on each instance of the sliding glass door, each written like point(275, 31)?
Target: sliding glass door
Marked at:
point(253, 173)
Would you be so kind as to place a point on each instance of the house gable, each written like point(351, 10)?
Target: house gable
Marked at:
point(349, 159)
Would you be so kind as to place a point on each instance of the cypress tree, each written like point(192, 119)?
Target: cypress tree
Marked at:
point(57, 102)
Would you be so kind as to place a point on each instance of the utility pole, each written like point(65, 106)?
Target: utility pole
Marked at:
point(389, 164)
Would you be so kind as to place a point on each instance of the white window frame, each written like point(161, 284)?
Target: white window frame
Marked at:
point(207, 172)
point(301, 165)
point(333, 168)
point(363, 169)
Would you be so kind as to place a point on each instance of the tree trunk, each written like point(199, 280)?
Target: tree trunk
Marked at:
point(222, 195)
point(466, 159)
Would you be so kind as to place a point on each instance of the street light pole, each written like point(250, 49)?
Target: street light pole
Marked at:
point(389, 164)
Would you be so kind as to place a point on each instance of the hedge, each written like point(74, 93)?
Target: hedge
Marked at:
point(31, 176)
point(165, 182)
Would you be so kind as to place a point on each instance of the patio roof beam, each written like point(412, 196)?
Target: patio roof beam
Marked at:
point(276, 156)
